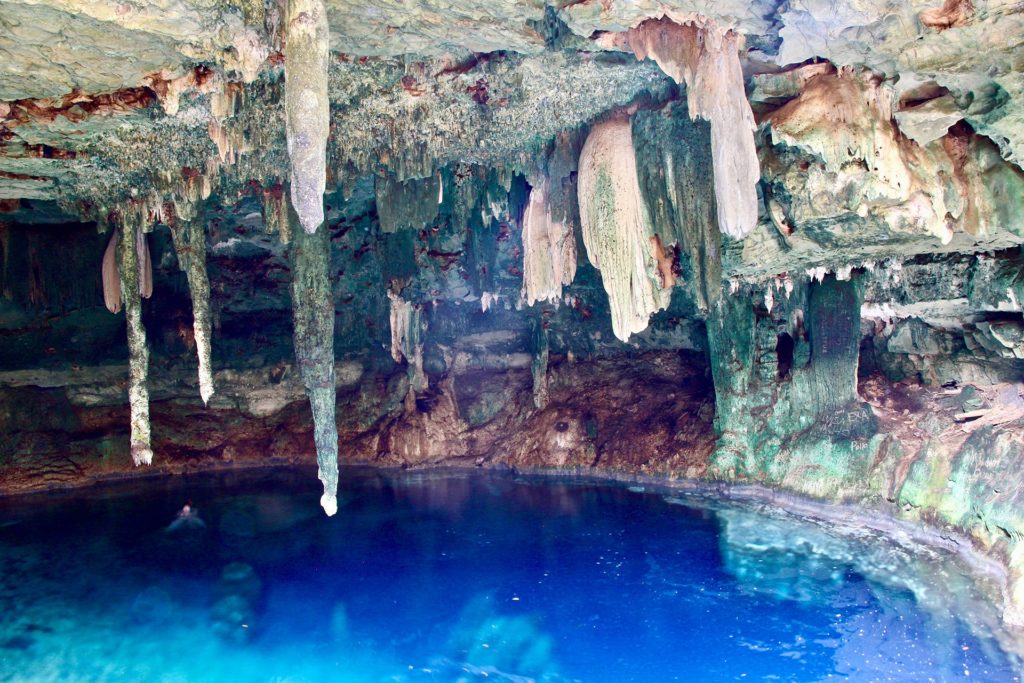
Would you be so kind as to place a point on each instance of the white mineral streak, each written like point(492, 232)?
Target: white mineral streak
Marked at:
point(307, 110)
point(705, 58)
point(616, 227)
point(549, 249)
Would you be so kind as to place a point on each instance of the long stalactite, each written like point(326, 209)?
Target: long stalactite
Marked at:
point(133, 275)
point(313, 336)
point(189, 239)
point(307, 108)
point(617, 230)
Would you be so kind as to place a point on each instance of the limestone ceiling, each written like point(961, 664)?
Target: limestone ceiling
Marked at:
point(81, 81)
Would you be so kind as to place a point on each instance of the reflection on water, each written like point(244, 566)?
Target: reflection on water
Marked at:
point(466, 578)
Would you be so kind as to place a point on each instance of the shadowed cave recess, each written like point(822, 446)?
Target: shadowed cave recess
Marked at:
point(727, 243)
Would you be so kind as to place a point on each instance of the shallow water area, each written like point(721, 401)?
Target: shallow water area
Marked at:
point(468, 576)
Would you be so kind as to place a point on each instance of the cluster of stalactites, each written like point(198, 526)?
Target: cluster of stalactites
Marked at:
point(405, 340)
point(549, 248)
point(190, 246)
point(845, 118)
point(307, 109)
point(706, 59)
point(275, 212)
point(617, 230)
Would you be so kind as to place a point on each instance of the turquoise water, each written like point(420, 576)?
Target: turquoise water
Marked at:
point(467, 578)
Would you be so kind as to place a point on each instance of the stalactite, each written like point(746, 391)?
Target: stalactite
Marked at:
point(549, 248)
point(539, 364)
point(190, 245)
point(128, 257)
point(307, 109)
point(706, 59)
point(405, 340)
point(616, 227)
point(313, 317)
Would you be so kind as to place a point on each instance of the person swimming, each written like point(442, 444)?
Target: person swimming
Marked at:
point(187, 518)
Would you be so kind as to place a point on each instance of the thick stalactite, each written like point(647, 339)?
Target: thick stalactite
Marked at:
point(549, 248)
point(313, 334)
point(705, 58)
point(617, 230)
point(190, 246)
point(307, 107)
point(133, 279)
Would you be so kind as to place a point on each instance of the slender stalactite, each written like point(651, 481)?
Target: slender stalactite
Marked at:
point(313, 318)
point(111, 279)
point(132, 242)
point(190, 245)
point(307, 109)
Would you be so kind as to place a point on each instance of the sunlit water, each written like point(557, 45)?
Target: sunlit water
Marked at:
point(466, 578)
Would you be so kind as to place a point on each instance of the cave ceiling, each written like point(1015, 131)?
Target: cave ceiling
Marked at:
point(106, 102)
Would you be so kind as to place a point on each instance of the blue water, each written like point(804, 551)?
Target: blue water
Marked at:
point(467, 578)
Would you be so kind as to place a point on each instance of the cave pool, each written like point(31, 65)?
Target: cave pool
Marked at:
point(466, 576)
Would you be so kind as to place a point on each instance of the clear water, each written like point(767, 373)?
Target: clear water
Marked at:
point(466, 578)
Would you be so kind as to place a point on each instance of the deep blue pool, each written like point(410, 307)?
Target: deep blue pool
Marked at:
point(467, 578)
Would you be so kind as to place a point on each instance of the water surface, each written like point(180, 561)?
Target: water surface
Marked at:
point(467, 577)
